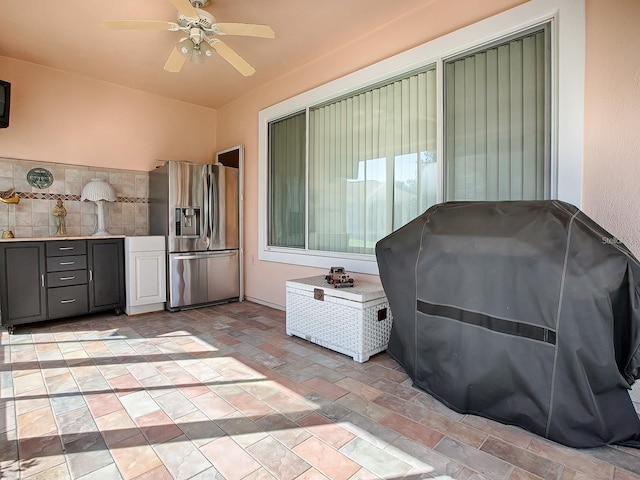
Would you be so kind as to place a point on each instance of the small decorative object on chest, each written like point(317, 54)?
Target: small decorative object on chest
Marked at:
point(355, 321)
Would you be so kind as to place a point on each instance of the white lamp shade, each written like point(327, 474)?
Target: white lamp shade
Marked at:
point(98, 189)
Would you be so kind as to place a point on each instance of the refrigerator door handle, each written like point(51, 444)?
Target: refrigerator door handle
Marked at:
point(228, 253)
point(214, 205)
point(207, 214)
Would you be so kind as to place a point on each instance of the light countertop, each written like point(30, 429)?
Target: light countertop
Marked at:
point(43, 239)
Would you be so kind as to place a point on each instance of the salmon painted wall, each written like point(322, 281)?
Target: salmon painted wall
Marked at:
point(611, 184)
point(65, 118)
point(238, 122)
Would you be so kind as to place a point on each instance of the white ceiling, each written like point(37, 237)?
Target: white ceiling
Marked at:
point(68, 35)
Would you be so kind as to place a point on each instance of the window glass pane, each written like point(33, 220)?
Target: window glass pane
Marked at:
point(371, 163)
point(496, 122)
point(286, 188)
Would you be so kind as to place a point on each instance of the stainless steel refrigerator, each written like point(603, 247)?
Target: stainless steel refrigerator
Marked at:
point(197, 208)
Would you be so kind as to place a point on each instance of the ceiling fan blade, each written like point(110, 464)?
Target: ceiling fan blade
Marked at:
point(139, 25)
point(246, 29)
point(175, 61)
point(233, 58)
point(185, 8)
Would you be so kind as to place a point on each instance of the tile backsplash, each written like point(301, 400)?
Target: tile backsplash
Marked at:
point(33, 215)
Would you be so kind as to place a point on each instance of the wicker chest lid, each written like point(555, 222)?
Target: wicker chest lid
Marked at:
point(362, 291)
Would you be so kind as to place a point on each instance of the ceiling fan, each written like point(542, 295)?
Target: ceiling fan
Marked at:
point(202, 31)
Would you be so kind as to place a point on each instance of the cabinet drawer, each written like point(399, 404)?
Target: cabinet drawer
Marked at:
point(62, 264)
point(66, 278)
point(58, 248)
point(67, 301)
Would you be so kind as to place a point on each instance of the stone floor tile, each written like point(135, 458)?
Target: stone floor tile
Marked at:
point(368, 430)
point(199, 429)
point(59, 472)
point(280, 461)
point(139, 403)
point(326, 389)
point(212, 405)
point(182, 459)
point(175, 404)
point(87, 453)
point(524, 459)
point(413, 430)
point(108, 472)
point(394, 388)
point(103, 404)
point(510, 434)
point(326, 430)
point(232, 461)
point(241, 429)
point(422, 459)
point(453, 429)
point(249, 405)
point(75, 423)
point(335, 464)
point(134, 456)
point(124, 384)
point(40, 453)
point(474, 459)
point(35, 423)
point(358, 388)
point(622, 474)
point(580, 462)
point(368, 409)
point(618, 457)
point(402, 407)
point(157, 427)
point(376, 460)
point(63, 403)
point(116, 426)
point(286, 431)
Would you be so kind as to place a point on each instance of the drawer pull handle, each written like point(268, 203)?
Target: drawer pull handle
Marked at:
point(67, 278)
point(68, 301)
point(66, 248)
point(42, 279)
point(67, 263)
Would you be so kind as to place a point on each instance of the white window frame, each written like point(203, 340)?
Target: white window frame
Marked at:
point(567, 109)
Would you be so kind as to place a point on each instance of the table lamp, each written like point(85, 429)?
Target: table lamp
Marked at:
point(99, 191)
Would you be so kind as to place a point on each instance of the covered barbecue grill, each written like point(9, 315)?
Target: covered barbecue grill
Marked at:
point(525, 312)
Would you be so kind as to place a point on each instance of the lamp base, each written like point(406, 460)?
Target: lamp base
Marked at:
point(101, 233)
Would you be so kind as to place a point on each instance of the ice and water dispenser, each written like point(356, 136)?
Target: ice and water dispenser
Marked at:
point(187, 221)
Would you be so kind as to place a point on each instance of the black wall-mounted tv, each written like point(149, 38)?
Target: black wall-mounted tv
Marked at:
point(5, 103)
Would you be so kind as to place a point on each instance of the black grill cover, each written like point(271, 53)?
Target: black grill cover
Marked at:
point(524, 312)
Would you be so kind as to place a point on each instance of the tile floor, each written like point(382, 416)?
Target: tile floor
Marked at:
point(222, 392)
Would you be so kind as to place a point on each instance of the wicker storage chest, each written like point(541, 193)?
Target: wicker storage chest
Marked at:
point(355, 320)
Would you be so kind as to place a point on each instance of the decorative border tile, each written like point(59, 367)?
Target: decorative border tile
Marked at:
point(74, 198)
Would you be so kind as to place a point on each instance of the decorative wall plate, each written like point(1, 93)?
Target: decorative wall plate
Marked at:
point(39, 177)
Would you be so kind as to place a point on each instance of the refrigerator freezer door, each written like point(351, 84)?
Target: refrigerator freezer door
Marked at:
point(185, 206)
point(204, 277)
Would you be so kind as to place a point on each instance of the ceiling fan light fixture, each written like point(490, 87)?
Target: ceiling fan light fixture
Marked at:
point(197, 56)
point(186, 47)
point(206, 49)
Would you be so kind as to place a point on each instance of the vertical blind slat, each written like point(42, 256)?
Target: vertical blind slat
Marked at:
point(496, 122)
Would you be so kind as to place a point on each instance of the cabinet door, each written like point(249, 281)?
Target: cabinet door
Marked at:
point(106, 274)
point(23, 293)
point(146, 279)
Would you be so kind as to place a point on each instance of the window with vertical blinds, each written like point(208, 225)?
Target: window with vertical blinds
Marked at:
point(347, 172)
point(287, 185)
point(372, 163)
point(496, 121)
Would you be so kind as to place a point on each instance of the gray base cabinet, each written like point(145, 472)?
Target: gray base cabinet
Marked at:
point(23, 296)
point(60, 278)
